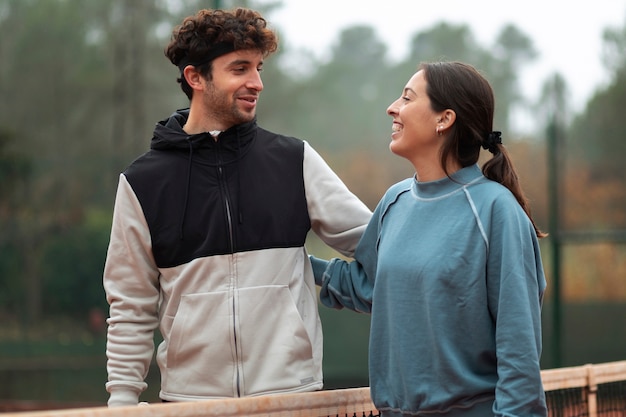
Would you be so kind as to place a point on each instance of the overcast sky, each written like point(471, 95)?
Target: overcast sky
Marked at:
point(567, 34)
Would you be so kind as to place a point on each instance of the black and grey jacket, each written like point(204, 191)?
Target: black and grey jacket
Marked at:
point(207, 244)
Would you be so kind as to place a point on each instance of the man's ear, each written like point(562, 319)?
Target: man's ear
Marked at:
point(193, 77)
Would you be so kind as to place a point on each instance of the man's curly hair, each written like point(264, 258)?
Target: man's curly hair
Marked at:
point(198, 35)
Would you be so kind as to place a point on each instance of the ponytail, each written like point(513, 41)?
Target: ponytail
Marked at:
point(500, 169)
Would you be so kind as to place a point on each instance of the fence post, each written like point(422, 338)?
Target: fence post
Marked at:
point(553, 133)
point(592, 394)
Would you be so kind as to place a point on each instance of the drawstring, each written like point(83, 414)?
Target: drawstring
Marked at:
point(190, 164)
point(182, 220)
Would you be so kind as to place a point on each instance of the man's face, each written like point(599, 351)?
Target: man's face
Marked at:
point(230, 97)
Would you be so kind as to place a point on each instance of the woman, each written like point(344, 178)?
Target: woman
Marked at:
point(449, 265)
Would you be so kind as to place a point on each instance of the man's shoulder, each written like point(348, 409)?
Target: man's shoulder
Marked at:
point(271, 139)
point(147, 165)
point(266, 134)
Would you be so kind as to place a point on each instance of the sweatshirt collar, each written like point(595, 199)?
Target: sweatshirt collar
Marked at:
point(447, 185)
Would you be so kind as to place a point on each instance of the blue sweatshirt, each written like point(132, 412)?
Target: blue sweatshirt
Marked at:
point(451, 272)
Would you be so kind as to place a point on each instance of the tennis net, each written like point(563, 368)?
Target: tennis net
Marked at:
point(585, 391)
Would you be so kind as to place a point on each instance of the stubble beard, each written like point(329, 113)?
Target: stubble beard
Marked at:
point(224, 108)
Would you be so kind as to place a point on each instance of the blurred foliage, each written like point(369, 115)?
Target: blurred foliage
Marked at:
point(83, 82)
point(73, 259)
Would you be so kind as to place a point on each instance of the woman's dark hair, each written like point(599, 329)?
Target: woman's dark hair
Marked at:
point(460, 87)
point(200, 35)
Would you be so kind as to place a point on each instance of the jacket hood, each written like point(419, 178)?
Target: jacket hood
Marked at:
point(169, 135)
point(232, 145)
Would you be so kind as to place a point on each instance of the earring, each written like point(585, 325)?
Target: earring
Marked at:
point(439, 131)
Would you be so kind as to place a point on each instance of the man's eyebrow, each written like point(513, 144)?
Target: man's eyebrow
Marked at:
point(242, 62)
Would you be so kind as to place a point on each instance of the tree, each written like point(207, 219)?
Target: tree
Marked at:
point(597, 135)
point(343, 101)
point(510, 53)
point(444, 41)
point(614, 53)
point(56, 75)
point(15, 169)
point(38, 88)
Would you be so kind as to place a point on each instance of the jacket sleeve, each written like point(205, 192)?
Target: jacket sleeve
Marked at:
point(132, 290)
point(515, 285)
point(337, 216)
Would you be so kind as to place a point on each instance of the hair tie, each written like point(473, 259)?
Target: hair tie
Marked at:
point(492, 141)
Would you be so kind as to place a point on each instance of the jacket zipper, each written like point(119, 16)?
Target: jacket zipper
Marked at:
point(229, 220)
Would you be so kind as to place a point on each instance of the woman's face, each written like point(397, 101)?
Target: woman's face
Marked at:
point(414, 129)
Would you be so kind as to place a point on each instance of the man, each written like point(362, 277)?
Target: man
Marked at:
point(208, 234)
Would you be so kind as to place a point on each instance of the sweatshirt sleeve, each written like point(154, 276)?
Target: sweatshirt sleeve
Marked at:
point(351, 284)
point(345, 284)
point(515, 284)
point(337, 216)
point(131, 285)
